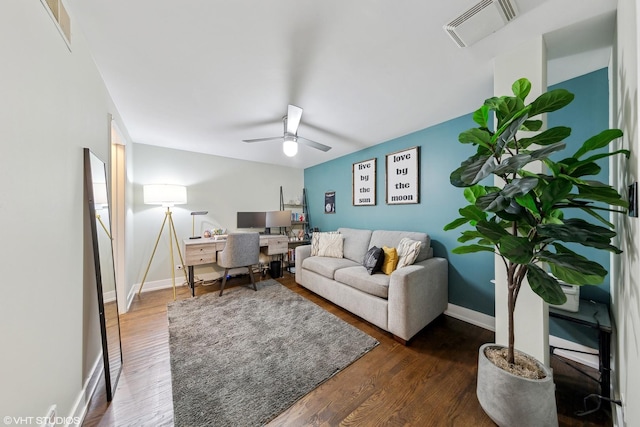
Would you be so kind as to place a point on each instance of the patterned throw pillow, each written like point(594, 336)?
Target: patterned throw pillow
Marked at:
point(373, 260)
point(330, 245)
point(390, 260)
point(408, 251)
point(315, 241)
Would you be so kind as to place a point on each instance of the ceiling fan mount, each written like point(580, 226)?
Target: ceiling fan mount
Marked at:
point(290, 138)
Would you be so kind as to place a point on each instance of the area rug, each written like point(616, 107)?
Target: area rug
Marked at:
point(243, 358)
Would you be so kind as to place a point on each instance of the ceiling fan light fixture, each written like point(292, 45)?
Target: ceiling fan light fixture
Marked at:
point(290, 146)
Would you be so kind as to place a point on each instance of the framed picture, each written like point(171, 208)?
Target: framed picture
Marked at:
point(403, 178)
point(364, 183)
point(330, 202)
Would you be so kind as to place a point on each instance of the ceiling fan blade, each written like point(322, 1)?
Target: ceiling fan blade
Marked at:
point(294, 114)
point(273, 138)
point(313, 144)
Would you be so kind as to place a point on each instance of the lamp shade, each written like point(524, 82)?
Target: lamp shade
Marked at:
point(164, 194)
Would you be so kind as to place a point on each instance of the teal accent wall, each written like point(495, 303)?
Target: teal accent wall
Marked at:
point(441, 153)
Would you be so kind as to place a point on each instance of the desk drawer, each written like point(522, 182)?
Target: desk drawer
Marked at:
point(277, 247)
point(200, 254)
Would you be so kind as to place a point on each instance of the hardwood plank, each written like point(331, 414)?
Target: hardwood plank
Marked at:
point(430, 382)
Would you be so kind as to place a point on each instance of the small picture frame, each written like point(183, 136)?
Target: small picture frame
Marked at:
point(364, 183)
point(330, 202)
point(403, 177)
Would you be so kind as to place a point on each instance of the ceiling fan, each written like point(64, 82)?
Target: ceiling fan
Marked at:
point(290, 138)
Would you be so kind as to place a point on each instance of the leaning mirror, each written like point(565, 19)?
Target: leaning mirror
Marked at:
point(99, 212)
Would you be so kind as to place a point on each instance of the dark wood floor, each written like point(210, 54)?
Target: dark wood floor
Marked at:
point(431, 382)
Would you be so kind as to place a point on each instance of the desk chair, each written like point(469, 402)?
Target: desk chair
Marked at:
point(240, 250)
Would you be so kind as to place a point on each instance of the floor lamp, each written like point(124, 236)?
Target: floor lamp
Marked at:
point(167, 196)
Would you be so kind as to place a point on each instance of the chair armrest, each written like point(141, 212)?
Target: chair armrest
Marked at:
point(302, 252)
point(418, 294)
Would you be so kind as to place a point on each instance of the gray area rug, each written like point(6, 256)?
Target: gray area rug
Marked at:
point(243, 358)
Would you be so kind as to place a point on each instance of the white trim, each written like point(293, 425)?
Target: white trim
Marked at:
point(590, 360)
point(488, 322)
point(81, 405)
point(471, 316)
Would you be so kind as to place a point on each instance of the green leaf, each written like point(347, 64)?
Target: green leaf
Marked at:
point(476, 168)
point(456, 223)
point(475, 136)
point(577, 230)
point(595, 190)
point(473, 192)
point(544, 152)
point(519, 187)
point(569, 262)
point(516, 249)
point(492, 202)
point(491, 230)
point(545, 286)
point(506, 133)
point(460, 250)
point(472, 213)
point(591, 159)
point(550, 101)
point(529, 203)
point(531, 125)
point(557, 189)
point(481, 116)
point(598, 141)
point(549, 136)
point(512, 164)
point(521, 88)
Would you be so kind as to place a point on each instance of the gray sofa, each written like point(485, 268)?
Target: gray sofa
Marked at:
point(401, 303)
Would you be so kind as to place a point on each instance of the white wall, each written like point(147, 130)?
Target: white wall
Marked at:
point(219, 185)
point(53, 103)
point(626, 290)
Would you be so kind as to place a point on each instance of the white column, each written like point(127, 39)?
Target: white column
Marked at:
point(532, 313)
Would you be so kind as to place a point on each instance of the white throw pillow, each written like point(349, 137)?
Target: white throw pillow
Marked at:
point(330, 245)
point(408, 251)
point(315, 241)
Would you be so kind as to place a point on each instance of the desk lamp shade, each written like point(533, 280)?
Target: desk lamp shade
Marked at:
point(165, 194)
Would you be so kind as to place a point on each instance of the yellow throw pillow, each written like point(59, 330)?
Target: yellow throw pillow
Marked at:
point(390, 260)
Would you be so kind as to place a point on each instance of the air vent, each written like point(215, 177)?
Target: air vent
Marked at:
point(60, 17)
point(479, 21)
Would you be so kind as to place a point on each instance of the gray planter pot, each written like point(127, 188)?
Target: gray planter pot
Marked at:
point(510, 400)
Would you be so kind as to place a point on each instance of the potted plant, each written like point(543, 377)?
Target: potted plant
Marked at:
point(524, 222)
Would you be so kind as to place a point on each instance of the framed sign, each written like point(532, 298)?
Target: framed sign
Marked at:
point(364, 183)
point(330, 202)
point(403, 178)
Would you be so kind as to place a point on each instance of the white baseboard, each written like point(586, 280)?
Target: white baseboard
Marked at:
point(79, 410)
point(470, 316)
point(488, 322)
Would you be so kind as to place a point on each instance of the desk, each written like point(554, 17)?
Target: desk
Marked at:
point(594, 315)
point(205, 251)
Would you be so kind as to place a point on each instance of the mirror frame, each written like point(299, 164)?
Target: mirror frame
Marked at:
point(112, 368)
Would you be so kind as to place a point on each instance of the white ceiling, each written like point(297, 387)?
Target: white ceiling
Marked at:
point(202, 75)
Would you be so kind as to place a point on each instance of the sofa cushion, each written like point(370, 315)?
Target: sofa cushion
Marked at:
point(391, 239)
point(390, 260)
point(356, 243)
point(373, 260)
point(326, 266)
point(408, 251)
point(358, 277)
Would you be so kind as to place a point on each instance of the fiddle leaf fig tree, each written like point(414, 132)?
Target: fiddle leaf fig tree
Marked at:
point(523, 221)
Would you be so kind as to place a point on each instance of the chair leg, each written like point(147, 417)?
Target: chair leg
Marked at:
point(224, 280)
point(253, 282)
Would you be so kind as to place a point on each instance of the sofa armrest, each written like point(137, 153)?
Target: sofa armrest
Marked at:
point(302, 252)
point(417, 294)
